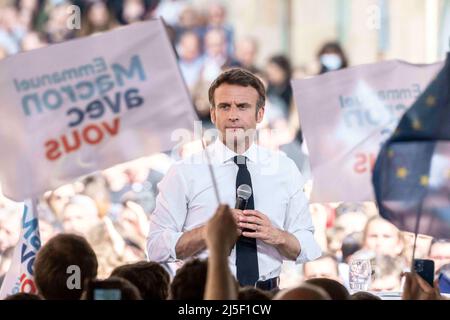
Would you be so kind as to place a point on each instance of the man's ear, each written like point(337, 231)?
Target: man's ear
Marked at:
point(260, 114)
point(212, 114)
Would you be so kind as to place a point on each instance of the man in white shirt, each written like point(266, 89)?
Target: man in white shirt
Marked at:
point(277, 224)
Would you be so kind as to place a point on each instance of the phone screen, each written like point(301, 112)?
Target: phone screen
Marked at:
point(107, 294)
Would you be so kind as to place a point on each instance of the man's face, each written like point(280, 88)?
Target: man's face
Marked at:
point(245, 52)
point(98, 14)
point(215, 45)
point(216, 15)
point(234, 113)
point(322, 268)
point(60, 197)
point(133, 10)
point(352, 222)
point(383, 238)
point(78, 219)
point(190, 47)
point(423, 244)
point(9, 232)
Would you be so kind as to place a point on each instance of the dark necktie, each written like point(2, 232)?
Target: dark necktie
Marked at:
point(246, 253)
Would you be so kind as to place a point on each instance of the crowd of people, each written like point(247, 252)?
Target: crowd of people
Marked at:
point(197, 279)
point(204, 42)
point(100, 222)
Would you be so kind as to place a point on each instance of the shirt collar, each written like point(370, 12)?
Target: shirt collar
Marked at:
point(224, 154)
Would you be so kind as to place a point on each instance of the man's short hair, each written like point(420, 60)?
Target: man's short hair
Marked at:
point(252, 293)
point(54, 259)
point(150, 278)
point(335, 289)
point(22, 296)
point(346, 207)
point(240, 77)
point(364, 295)
point(304, 291)
point(351, 244)
point(189, 281)
point(324, 256)
point(438, 241)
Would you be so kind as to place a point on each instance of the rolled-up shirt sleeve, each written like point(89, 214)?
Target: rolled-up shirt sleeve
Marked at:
point(298, 221)
point(168, 218)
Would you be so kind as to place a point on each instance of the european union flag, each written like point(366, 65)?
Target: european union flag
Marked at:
point(411, 177)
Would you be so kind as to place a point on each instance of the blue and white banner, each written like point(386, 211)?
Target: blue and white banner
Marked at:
point(346, 116)
point(20, 276)
point(87, 104)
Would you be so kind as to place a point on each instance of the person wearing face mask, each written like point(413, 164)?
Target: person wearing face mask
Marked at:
point(331, 57)
point(97, 17)
point(279, 90)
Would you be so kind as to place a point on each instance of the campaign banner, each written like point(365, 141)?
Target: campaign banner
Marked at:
point(347, 115)
point(85, 105)
point(20, 276)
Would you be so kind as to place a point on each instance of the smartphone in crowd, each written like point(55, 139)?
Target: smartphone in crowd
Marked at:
point(425, 269)
point(104, 290)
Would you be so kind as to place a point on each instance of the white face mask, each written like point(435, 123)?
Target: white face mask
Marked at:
point(331, 61)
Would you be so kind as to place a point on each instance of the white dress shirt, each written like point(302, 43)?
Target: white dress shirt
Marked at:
point(187, 200)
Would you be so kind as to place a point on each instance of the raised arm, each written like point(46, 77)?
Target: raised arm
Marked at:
point(221, 234)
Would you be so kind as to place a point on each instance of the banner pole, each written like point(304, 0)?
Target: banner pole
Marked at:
point(416, 231)
point(211, 171)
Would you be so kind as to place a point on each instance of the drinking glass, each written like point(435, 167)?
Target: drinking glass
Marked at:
point(360, 274)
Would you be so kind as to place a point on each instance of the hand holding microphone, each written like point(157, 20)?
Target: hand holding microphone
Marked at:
point(254, 224)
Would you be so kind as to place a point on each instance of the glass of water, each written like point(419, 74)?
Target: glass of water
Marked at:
point(360, 274)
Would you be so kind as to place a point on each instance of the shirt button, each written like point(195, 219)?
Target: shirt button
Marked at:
point(263, 278)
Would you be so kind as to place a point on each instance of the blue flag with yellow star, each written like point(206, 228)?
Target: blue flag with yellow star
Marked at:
point(411, 177)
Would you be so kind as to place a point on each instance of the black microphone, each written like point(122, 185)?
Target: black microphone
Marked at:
point(244, 192)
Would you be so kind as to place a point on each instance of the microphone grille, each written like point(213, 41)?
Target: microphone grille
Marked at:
point(244, 191)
